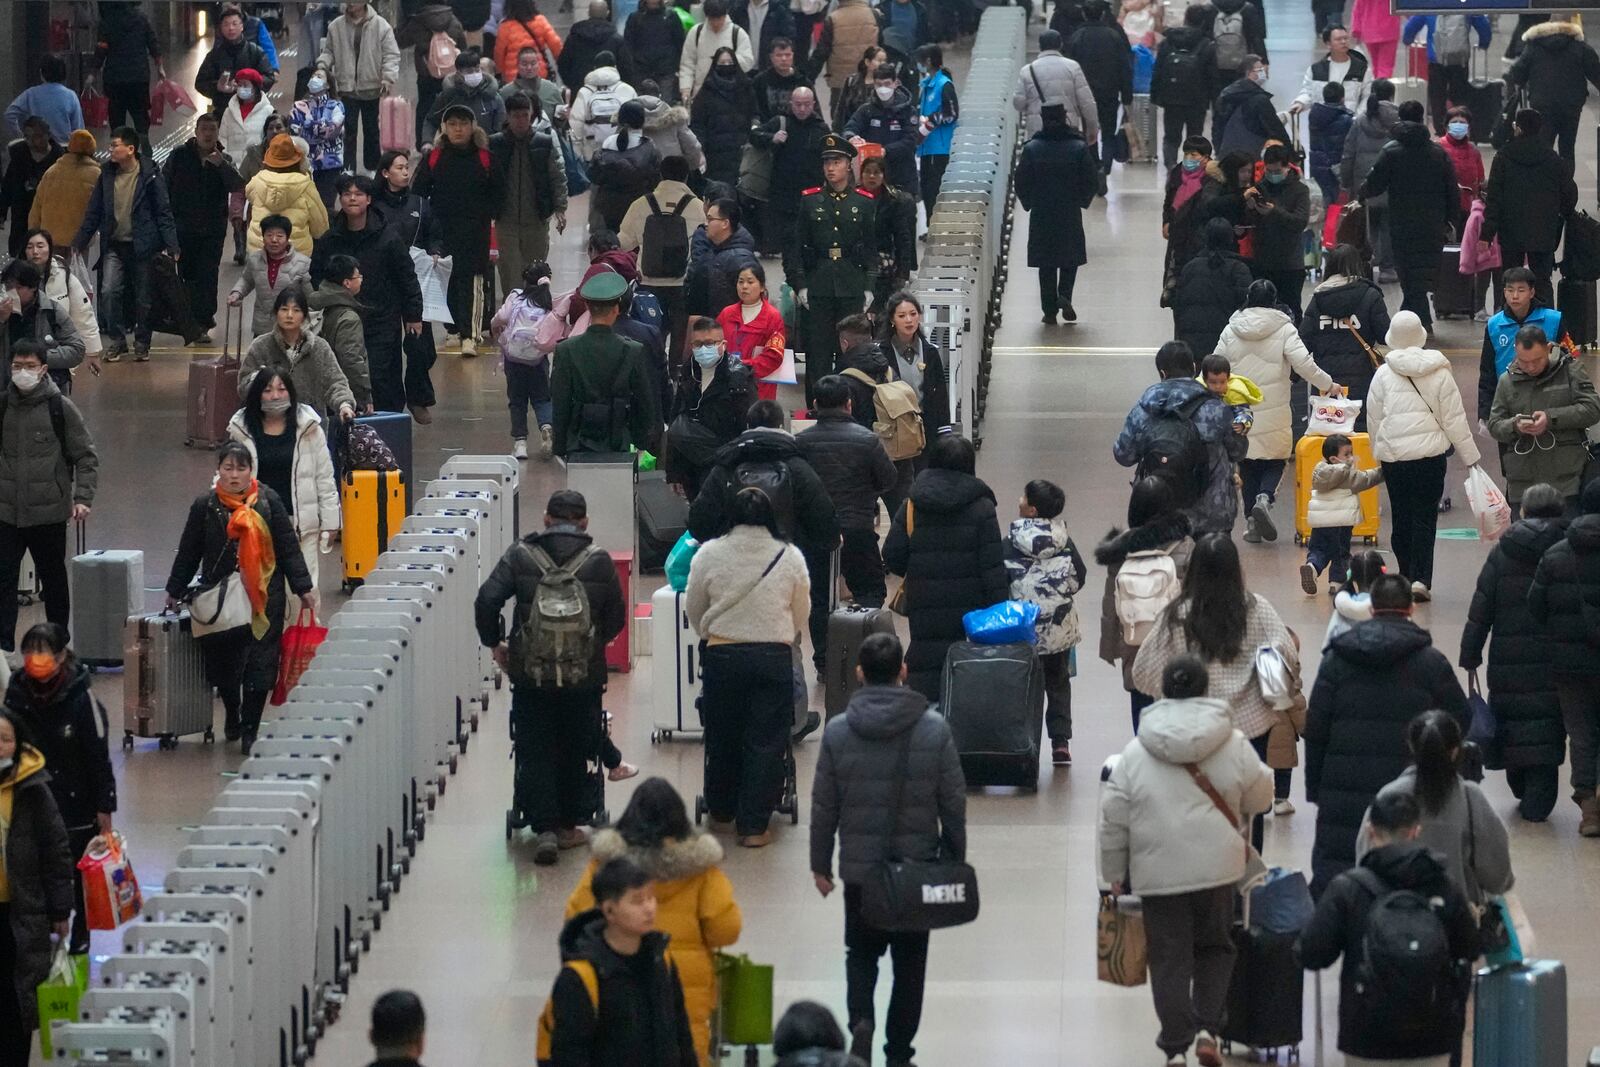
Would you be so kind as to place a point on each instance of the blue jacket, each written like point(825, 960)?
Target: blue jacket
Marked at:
point(940, 107)
point(56, 104)
point(154, 227)
point(1329, 124)
point(263, 37)
point(1217, 507)
point(1419, 22)
point(1500, 347)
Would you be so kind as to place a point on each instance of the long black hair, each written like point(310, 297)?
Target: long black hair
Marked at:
point(1434, 738)
point(1214, 603)
point(252, 398)
point(655, 813)
point(536, 285)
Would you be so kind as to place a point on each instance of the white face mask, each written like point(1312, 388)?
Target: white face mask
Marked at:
point(473, 78)
point(274, 405)
point(316, 86)
point(885, 92)
point(26, 380)
point(247, 93)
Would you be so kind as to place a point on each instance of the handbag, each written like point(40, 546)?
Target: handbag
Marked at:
point(224, 604)
point(1484, 730)
point(1497, 934)
point(755, 167)
point(1372, 353)
point(897, 599)
point(111, 893)
point(1121, 947)
point(1331, 415)
point(744, 1000)
point(299, 643)
point(916, 895)
point(1274, 678)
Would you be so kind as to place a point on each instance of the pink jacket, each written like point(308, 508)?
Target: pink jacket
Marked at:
point(1371, 22)
point(1464, 156)
point(1477, 255)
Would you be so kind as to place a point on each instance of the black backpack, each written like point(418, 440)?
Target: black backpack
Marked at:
point(1582, 259)
point(664, 251)
point(771, 476)
point(1184, 77)
point(1173, 450)
point(1406, 978)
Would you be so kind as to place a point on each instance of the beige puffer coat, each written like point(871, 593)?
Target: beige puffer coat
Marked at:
point(315, 507)
point(1264, 346)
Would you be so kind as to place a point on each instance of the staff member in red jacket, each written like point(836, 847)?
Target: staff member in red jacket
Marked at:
point(754, 328)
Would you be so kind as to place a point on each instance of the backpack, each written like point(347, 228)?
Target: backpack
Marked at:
point(1173, 450)
point(519, 341)
point(1452, 40)
point(1182, 77)
point(1406, 977)
point(544, 1041)
point(1146, 583)
point(484, 159)
point(665, 246)
point(1227, 30)
point(897, 416)
point(603, 107)
point(442, 53)
point(771, 477)
point(645, 308)
point(555, 642)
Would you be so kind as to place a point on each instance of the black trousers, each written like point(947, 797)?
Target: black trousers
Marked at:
point(1543, 264)
point(1447, 84)
point(819, 568)
point(129, 105)
point(467, 293)
point(747, 707)
point(399, 364)
point(554, 734)
point(226, 657)
point(675, 310)
point(864, 946)
point(1055, 288)
point(822, 335)
point(1415, 285)
point(1058, 695)
point(16, 1037)
point(78, 838)
point(1536, 788)
point(861, 566)
point(202, 258)
point(931, 176)
point(1108, 112)
point(1177, 125)
point(1415, 487)
point(367, 112)
point(1561, 130)
point(47, 543)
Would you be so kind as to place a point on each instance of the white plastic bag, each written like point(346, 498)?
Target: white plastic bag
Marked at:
point(434, 280)
point(1488, 504)
point(1275, 678)
point(1332, 414)
point(80, 270)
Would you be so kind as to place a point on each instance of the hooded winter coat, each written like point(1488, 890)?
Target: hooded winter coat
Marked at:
point(237, 131)
point(667, 126)
point(945, 542)
point(1244, 118)
point(39, 481)
point(314, 501)
point(37, 871)
point(1564, 392)
point(851, 462)
point(62, 196)
point(71, 301)
point(484, 100)
point(1530, 194)
point(816, 525)
point(70, 728)
point(1375, 678)
point(1338, 305)
point(342, 328)
point(797, 162)
point(655, 37)
point(640, 1020)
point(1339, 926)
point(1182, 83)
point(1169, 533)
point(1424, 201)
point(585, 41)
point(858, 776)
point(695, 909)
point(1046, 569)
point(1159, 833)
point(1263, 345)
point(1215, 510)
point(1565, 599)
point(1102, 50)
point(1555, 64)
point(1056, 179)
point(895, 126)
point(464, 191)
point(319, 382)
point(1208, 290)
point(1061, 80)
point(293, 195)
point(1186, 222)
point(1330, 126)
point(1414, 409)
point(720, 118)
point(1368, 134)
point(590, 126)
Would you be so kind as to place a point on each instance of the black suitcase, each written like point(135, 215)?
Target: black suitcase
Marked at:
point(847, 628)
point(1457, 293)
point(1485, 98)
point(993, 699)
point(1265, 994)
point(663, 516)
point(1575, 299)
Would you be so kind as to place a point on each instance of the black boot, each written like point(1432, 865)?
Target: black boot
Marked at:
point(861, 1041)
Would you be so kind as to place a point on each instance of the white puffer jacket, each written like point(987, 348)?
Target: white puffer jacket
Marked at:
point(1264, 346)
point(1158, 829)
point(1414, 409)
point(315, 506)
point(590, 128)
point(238, 132)
point(68, 295)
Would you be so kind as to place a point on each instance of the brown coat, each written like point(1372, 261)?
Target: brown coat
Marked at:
point(854, 27)
point(63, 196)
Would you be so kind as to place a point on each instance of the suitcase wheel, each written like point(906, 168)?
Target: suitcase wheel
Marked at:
point(454, 763)
point(127, 742)
point(209, 737)
point(699, 808)
point(474, 719)
point(499, 679)
point(1298, 539)
point(167, 741)
point(1369, 540)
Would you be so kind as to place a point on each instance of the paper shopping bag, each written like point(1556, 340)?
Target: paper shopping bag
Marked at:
point(1120, 945)
point(745, 1000)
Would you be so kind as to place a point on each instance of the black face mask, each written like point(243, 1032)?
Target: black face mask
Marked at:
point(724, 71)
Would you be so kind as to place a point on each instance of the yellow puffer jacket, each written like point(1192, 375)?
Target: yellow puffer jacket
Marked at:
point(694, 907)
point(291, 194)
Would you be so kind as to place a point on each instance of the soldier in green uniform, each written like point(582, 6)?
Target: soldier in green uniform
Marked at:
point(830, 256)
point(600, 389)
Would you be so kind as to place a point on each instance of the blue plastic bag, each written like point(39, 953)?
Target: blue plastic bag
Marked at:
point(678, 561)
point(1509, 951)
point(1144, 68)
point(577, 175)
point(1006, 623)
point(1281, 902)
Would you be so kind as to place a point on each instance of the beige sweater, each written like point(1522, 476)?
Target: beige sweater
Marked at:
point(727, 598)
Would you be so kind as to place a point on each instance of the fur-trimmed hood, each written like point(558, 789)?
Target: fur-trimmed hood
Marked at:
point(1119, 543)
point(670, 861)
point(480, 139)
point(660, 115)
point(1552, 29)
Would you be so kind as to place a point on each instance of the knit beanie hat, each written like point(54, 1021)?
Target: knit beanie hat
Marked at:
point(81, 143)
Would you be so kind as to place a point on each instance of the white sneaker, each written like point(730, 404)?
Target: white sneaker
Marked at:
point(1178, 1059)
point(519, 448)
point(1283, 807)
point(469, 347)
point(1420, 593)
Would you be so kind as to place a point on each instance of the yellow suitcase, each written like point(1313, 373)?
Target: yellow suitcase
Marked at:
point(1307, 454)
point(374, 505)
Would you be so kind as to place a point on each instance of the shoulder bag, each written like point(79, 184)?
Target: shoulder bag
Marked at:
point(1372, 353)
point(904, 895)
point(224, 604)
point(706, 620)
point(1254, 867)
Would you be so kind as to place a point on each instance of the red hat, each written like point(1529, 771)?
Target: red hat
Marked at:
point(246, 74)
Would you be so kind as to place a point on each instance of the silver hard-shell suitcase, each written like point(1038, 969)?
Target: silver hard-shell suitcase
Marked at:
point(164, 689)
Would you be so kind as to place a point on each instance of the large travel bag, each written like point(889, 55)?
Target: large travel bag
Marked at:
point(993, 698)
point(106, 587)
point(847, 628)
point(1140, 116)
point(395, 429)
point(663, 515)
point(1521, 1015)
point(1265, 993)
point(675, 655)
point(1575, 299)
point(374, 505)
point(214, 387)
point(164, 689)
point(1307, 454)
point(1457, 293)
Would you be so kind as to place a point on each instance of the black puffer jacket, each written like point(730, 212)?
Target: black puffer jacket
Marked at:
point(1424, 200)
point(199, 190)
point(1210, 288)
point(69, 727)
point(1554, 65)
point(392, 295)
point(720, 117)
point(858, 775)
point(586, 40)
point(39, 864)
point(1337, 305)
point(623, 175)
point(1339, 927)
point(714, 269)
point(1530, 193)
point(816, 526)
point(126, 45)
point(1565, 599)
point(1375, 678)
point(854, 468)
point(655, 37)
point(797, 162)
point(641, 1018)
point(1244, 118)
point(1522, 692)
point(1102, 50)
point(953, 562)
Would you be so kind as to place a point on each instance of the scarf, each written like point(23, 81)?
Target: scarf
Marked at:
point(1188, 186)
point(257, 560)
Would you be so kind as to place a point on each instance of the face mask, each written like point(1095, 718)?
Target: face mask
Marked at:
point(724, 70)
point(246, 93)
point(1276, 179)
point(1458, 130)
point(41, 666)
point(706, 355)
point(474, 79)
point(276, 405)
point(316, 86)
point(1259, 77)
point(1191, 165)
point(885, 92)
point(26, 380)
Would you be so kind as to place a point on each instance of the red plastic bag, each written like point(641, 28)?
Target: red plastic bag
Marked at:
point(110, 891)
point(96, 109)
point(299, 644)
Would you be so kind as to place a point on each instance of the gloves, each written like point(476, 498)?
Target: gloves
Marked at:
point(803, 298)
point(866, 301)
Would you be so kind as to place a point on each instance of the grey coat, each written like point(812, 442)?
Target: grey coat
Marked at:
point(1465, 834)
point(854, 790)
point(342, 328)
point(52, 327)
point(295, 271)
point(39, 866)
point(852, 464)
point(39, 481)
point(318, 378)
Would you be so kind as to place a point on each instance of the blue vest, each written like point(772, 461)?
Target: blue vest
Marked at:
point(1503, 333)
point(937, 143)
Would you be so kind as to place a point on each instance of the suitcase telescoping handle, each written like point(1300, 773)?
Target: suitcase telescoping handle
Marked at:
point(233, 334)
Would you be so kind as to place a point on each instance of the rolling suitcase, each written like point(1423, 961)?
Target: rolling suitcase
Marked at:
point(663, 518)
point(1457, 293)
point(106, 587)
point(1141, 119)
point(397, 124)
point(993, 699)
point(214, 387)
point(374, 505)
point(1520, 1018)
point(675, 655)
point(1307, 454)
point(164, 689)
point(1414, 86)
point(395, 429)
point(1485, 97)
point(847, 628)
point(1265, 993)
point(1575, 299)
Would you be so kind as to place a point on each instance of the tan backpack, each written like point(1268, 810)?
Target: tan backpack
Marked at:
point(897, 415)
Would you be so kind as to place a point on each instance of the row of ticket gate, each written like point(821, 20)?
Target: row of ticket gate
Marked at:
point(244, 954)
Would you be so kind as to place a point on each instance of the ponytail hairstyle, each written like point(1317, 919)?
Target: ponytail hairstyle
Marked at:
point(1382, 91)
point(1365, 568)
point(630, 116)
point(1434, 738)
point(536, 285)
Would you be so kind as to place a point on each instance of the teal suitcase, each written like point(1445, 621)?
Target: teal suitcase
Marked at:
point(1521, 1018)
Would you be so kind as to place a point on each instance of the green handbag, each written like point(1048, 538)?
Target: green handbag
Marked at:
point(744, 1000)
point(59, 993)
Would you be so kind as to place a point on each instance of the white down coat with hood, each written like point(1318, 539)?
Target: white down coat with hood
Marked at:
point(315, 507)
point(1264, 346)
point(1158, 829)
point(1414, 409)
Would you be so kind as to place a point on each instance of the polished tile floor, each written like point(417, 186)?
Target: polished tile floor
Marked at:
point(473, 929)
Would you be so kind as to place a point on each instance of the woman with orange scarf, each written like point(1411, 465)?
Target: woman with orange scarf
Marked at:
point(243, 526)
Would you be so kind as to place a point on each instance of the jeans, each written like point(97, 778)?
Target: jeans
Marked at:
point(1289, 284)
point(48, 545)
point(1447, 84)
point(1580, 710)
point(747, 708)
point(861, 566)
point(1415, 487)
point(119, 270)
point(1191, 954)
point(555, 733)
point(931, 176)
point(1260, 476)
point(129, 105)
point(1178, 124)
point(1108, 112)
point(1055, 288)
point(1329, 546)
point(528, 384)
point(367, 112)
point(202, 258)
point(864, 945)
point(1058, 695)
point(1415, 285)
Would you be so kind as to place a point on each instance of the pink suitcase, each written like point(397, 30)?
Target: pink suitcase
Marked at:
point(397, 124)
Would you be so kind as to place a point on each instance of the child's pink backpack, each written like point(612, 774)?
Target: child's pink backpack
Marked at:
point(519, 320)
